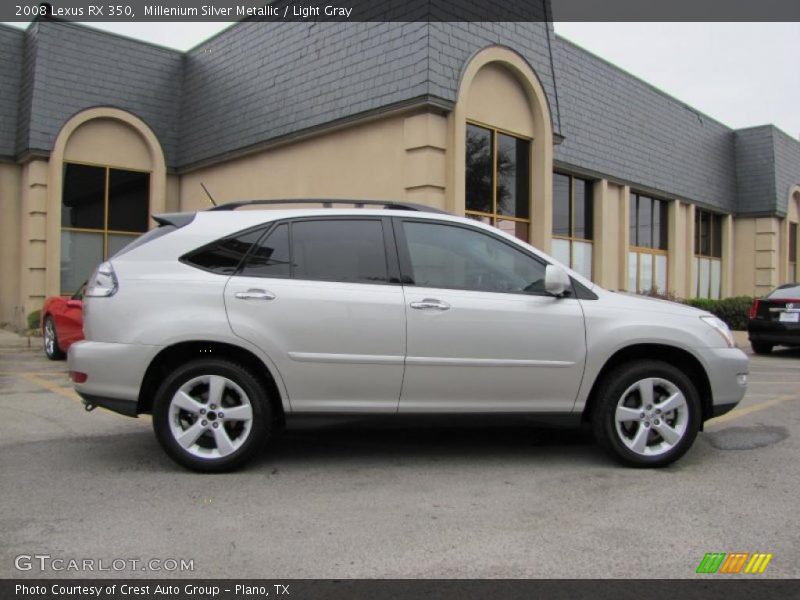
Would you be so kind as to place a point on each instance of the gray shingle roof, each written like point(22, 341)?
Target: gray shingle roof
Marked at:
point(257, 82)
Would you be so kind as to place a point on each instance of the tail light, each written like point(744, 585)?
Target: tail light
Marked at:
point(103, 282)
point(754, 308)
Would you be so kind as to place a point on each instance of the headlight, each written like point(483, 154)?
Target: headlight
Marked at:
point(103, 282)
point(722, 328)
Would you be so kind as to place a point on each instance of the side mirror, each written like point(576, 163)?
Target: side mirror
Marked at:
point(556, 281)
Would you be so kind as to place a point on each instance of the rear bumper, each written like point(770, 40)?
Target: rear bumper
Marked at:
point(724, 367)
point(114, 373)
point(773, 332)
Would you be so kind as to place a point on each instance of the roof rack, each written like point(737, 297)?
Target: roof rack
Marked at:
point(329, 202)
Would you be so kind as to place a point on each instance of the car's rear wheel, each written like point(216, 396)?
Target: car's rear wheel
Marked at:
point(211, 415)
point(761, 347)
point(51, 348)
point(647, 414)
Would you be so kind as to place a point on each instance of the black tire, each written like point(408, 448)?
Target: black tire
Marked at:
point(610, 395)
point(50, 340)
point(167, 420)
point(761, 347)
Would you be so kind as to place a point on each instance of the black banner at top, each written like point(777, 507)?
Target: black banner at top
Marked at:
point(400, 10)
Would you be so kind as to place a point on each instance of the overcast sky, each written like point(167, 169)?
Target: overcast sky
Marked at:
point(742, 74)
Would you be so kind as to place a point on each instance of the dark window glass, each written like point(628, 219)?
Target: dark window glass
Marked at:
point(561, 205)
point(645, 222)
point(792, 243)
point(633, 228)
point(479, 169)
point(716, 236)
point(445, 256)
point(339, 250)
point(83, 204)
point(584, 213)
point(697, 223)
point(660, 224)
point(224, 256)
point(128, 200)
point(786, 293)
point(271, 257)
point(512, 176)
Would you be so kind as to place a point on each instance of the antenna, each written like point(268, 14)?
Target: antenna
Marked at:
point(210, 197)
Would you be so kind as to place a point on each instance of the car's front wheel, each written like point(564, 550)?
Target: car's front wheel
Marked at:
point(211, 415)
point(648, 413)
point(51, 347)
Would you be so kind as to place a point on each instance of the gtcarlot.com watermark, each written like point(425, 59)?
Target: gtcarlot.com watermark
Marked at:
point(47, 562)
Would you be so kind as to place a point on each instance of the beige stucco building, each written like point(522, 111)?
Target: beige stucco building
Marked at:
point(519, 128)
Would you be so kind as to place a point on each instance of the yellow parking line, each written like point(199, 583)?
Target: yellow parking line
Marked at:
point(50, 386)
point(744, 411)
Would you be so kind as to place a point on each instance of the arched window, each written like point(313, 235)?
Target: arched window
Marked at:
point(102, 209)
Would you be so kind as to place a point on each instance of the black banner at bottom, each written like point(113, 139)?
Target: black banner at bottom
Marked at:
point(711, 588)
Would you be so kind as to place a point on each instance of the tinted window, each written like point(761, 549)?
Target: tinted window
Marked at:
point(271, 257)
point(479, 169)
point(513, 181)
point(84, 197)
point(445, 256)
point(339, 250)
point(584, 215)
point(224, 256)
point(561, 205)
point(128, 207)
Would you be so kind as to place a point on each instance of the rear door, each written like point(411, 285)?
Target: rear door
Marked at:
point(483, 336)
point(322, 297)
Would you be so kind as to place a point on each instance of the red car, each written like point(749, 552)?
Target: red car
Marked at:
point(62, 323)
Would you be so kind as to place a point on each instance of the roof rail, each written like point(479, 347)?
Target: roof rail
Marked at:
point(329, 202)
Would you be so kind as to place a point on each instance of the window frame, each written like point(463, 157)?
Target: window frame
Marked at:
point(406, 268)
point(571, 238)
point(647, 249)
point(105, 231)
point(494, 216)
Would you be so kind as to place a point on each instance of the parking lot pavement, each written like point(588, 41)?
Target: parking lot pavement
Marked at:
point(353, 502)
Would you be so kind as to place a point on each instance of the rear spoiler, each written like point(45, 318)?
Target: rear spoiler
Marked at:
point(177, 220)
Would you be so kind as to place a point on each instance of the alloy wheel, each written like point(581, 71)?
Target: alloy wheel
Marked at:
point(210, 416)
point(651, 416)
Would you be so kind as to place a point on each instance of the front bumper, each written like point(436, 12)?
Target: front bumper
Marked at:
point(725, 368)
point(114, 373)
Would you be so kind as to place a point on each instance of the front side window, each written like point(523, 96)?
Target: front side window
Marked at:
point(707, 254)
point(446, 256)
point(573, 217)
point(647, 258)
point(102, 210)
point(498, 179)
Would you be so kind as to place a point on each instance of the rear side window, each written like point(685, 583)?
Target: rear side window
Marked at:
point(339, 250)
point(225, 255)
point(786, 293)
point(270, 258)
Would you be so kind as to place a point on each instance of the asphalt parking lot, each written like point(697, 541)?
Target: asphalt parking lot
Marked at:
point(347, 502)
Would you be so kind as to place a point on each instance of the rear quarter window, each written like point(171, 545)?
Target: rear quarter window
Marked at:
point(225, 255)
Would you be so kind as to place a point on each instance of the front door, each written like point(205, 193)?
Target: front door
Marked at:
point(483, 336)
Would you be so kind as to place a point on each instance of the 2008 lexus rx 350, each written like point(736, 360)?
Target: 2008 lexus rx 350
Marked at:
point(384, 309)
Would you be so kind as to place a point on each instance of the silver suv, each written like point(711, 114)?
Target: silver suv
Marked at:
point(224, 324)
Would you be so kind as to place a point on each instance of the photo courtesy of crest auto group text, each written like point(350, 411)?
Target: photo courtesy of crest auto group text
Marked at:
point(403, 299)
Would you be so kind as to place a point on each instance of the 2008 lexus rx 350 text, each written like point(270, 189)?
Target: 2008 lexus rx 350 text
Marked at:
point(224, 323)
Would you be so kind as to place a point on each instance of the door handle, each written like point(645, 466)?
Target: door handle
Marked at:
point(255, 294)
point(430, 303)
